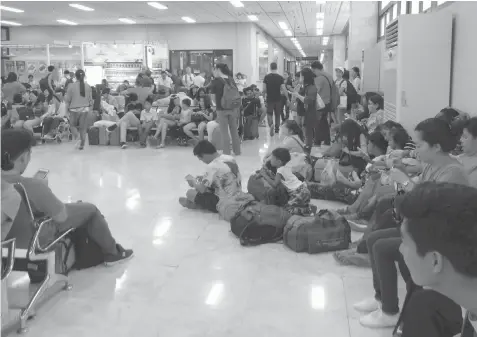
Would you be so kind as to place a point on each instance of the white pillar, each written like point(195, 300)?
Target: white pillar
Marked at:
point(339, 52)
point(48, 54)
point(82, 55)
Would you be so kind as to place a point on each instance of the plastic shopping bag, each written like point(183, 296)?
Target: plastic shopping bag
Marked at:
point(343, 102)
point(328, 175)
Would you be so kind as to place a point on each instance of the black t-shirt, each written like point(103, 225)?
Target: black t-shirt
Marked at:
point(273, 82)
point(217, 87)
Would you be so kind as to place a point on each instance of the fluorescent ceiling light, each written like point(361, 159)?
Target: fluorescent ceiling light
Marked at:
point(125, 20)
point(288, 32)
point(11, 23)
point(319, 31)
point(253, 18)
point(320, 16)
point(322, 57)
point(237, 3)
point(188, 19)
point(319, 24)
point(157, 5)
point(83, 8)
point(11, 9)
point(68, 22)
point(283, 25)
point(326, 39)
point(320, 2)
point(293, 38)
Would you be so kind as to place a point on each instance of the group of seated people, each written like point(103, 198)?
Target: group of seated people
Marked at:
point(397, 189)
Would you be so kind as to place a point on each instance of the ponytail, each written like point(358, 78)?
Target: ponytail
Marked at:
point(80, 77)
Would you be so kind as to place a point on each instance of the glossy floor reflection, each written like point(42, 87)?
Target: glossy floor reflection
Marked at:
point(189, 276)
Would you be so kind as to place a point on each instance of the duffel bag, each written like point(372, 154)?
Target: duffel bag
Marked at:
point(229, 207)
point(327, 231)
point(262, 191)
point(259, 223)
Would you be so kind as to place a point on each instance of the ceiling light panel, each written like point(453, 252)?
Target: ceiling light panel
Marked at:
point(237, 3)
point(81, 7)
point(319, 31)
point(11, 9)
point(320, 16)
point(11, 23)
point(67, 22)
point(288, 32)
point(283, 25)
point(126, 20)
point(319, 24)
point(253, 18)
point(325, 40)
point(188, 19)
point(157, 5)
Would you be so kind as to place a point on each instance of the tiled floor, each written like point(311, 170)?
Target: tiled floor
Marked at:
point(189, 276)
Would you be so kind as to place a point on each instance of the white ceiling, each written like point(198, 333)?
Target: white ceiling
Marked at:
point(300, 16)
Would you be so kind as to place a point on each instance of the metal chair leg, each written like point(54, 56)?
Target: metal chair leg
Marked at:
point(26, 313)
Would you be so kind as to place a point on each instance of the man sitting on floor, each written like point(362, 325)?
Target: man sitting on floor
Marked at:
point(221, 179)
point(16, 153)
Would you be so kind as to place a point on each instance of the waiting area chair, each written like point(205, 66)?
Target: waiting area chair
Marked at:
point(30, 243)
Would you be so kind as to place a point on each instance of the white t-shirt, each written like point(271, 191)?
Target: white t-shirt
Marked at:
point(199, 81)
point(148, 116)
point(188, 80)
point(357, 84)
point(290, 181)
point(165, 82)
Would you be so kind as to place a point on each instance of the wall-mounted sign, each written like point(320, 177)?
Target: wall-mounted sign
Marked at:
point(308, 58)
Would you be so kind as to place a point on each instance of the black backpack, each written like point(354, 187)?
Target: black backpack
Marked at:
point(44, 83)
point(88, 252)
point(351, 94)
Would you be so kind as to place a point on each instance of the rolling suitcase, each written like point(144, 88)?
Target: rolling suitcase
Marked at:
point(93, 135)
point(103, 136)
point(250, 128)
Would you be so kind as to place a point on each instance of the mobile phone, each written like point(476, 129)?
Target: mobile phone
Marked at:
point(41, 174)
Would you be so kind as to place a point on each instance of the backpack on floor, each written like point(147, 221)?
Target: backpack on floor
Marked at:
point(114, 137)
point(231, 97)
point(327, 231)
point(259, 223)
point(230, 206)
point(64, 261)
point(88, 253)
point(93, 135)
point(262, 191)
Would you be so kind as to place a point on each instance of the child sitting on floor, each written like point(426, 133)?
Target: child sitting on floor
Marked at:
point(299, 195)
point(148, 120)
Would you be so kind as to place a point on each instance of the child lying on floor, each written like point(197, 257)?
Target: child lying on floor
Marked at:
point(299, 195)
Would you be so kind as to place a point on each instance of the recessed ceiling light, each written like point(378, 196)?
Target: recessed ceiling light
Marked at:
point(319, 31)
point(11, 23)
point(283, 25)
point(237, 3)
point(67, 22)
point(253, 18)
point(83, 8)
point(288, 32)
point(326, 39)
point(188, 19)
point(11, 9)
point(125, 20)
point(157, 5)
point(320, 16)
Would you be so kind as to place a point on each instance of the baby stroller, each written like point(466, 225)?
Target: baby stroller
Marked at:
point(58, 134)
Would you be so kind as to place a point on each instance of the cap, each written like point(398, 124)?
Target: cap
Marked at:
point(340, 69)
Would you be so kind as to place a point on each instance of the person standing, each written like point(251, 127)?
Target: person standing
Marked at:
point(273, 90)
point(79, 102)
point(12, 87)
point(323, 83)
point(199, 80)
point(356, 78)
point(227, 119)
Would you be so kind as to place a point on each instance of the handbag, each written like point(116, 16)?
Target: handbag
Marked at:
point(319, 102)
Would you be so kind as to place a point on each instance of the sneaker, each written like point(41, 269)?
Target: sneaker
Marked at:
point(186, 203)
point(123, 255)
point(81, 147)
point(160, 146)
point(111, 128)
point(123, 145)
point(368, 305)
point(378, 319)
point(272, 131)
